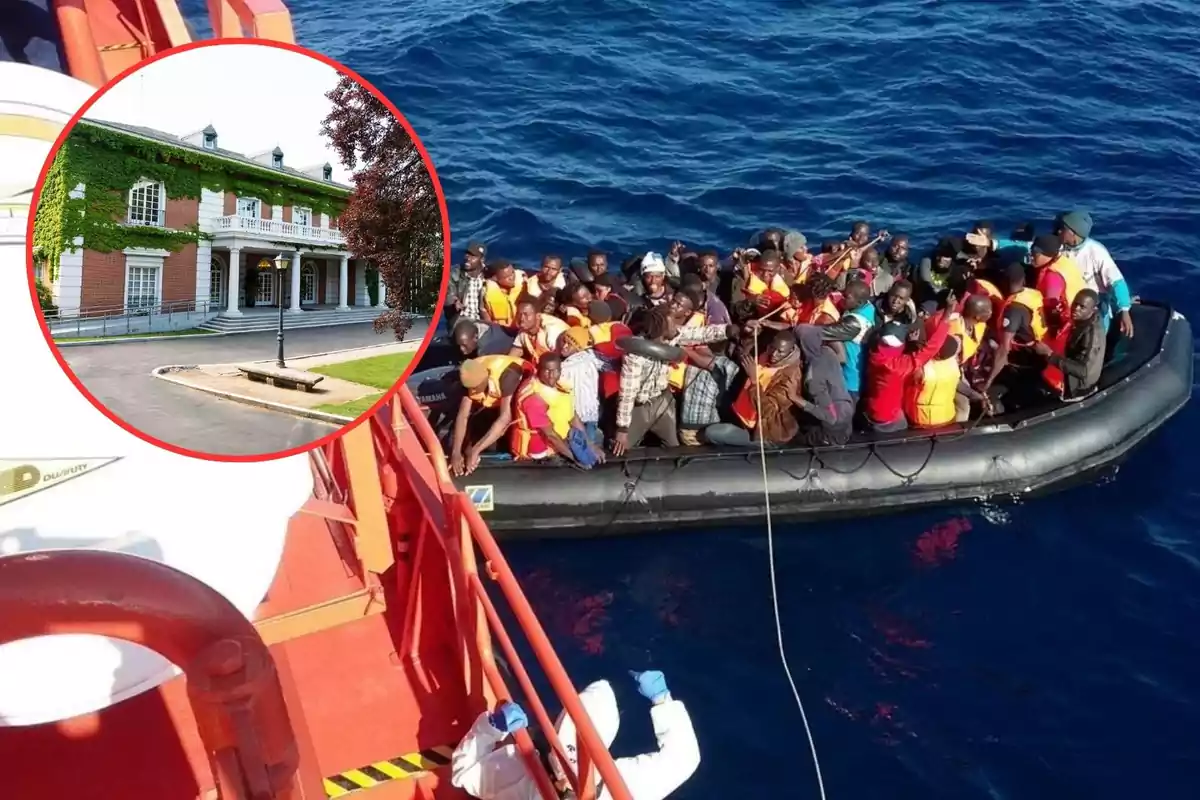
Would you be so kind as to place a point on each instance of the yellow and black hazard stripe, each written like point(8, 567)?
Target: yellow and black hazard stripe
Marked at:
point(409, 766)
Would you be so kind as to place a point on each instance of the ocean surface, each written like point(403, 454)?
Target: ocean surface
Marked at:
point(1049, 649)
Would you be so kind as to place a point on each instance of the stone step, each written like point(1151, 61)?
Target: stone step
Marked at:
point(308, 319)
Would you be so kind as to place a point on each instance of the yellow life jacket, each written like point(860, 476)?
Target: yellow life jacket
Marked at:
point(501, 305)
point(1032, 299)
point(490, 396)
point(560, 400)
point(544, 341)
point(931, 394)
point(968, 339)
point(677, 374)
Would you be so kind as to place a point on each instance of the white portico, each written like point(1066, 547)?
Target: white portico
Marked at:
point(321, 275)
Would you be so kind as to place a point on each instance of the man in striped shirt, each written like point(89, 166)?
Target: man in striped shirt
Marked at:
point(646, 403)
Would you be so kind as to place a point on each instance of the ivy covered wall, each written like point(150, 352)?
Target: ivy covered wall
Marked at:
point(108, 163)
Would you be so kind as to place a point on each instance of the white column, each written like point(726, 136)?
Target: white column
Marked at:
point(343, 280)
point(295, 281)
point(235, 278)
point(380, 300)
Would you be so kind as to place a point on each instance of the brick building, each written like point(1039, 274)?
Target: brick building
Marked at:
point(220, 270)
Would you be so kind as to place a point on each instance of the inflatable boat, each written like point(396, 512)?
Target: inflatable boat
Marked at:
point(1146, 381)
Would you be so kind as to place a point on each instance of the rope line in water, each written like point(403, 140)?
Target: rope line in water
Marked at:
point(762, 451)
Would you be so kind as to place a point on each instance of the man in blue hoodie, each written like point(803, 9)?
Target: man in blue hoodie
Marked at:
point(1100, 272)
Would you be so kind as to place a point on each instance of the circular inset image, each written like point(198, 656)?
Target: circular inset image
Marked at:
point(238, 249)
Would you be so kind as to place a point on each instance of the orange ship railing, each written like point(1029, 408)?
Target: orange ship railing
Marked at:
point(101, 38)
point(412, 471)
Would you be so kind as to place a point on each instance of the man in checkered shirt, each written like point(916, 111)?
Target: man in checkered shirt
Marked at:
point(465, 291)
point(646, 404)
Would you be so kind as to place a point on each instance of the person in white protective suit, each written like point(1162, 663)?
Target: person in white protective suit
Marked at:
point(487, 765)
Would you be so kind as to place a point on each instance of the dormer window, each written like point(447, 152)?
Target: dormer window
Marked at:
point(328, 172)
point(147, 204)
point(210, 141)
point(277, 161)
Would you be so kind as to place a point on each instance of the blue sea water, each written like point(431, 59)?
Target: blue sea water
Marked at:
point(1048, 649)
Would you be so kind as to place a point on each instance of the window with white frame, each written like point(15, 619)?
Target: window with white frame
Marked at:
point(302, 216)
point(328, 173)
point(277, 161)
point(248, 207)
point(147, 204)
point(210, 141)
point(141, 283)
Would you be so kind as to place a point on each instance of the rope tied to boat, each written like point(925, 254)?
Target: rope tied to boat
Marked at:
point(762, 452)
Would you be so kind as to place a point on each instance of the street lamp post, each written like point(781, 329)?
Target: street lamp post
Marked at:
point(281, 264)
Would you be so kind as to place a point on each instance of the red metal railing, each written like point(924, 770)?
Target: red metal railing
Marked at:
point(407, 444)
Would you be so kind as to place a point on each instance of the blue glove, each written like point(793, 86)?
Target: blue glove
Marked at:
point(508, 718)
point(651, 684)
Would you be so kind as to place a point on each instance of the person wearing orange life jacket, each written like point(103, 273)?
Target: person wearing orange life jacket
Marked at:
point(764, 404)
point(766, 288)
point(897, 353)
point(937, 395)
point(537, 333)
point(490, 382)
point(1058, 279)
point(545, 283)
point(500, 293)
point(1075, 356)
point(546, 422)
point(1019, 322)
point(577, 300)
point(970, 327)
point(797, 261)
point(686, 312)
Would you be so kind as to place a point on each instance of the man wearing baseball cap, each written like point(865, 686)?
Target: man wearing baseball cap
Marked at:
point(465, 291)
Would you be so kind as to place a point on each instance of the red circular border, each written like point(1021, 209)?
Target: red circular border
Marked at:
point(437, 312)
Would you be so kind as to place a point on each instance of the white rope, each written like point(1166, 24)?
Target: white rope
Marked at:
point(762, 450)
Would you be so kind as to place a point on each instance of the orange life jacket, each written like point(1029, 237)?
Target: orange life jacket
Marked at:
point(575, 317)
point(744, 406)
point(775, 294)
point(544, 341)
point(678, 372)
point(489, 396)
point(1066, 268)
point(809, 312)
point(981, 286)
point(1052, 375)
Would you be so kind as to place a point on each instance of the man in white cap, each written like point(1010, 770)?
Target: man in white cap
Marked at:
point(654, 280)
point(487, 765)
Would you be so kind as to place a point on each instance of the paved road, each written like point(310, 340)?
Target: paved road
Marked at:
point(118, 375)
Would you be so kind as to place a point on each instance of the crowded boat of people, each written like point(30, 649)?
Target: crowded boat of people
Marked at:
point(774, 344)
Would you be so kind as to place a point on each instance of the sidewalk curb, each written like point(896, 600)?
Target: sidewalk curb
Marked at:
point(162, 372)
point(416, 346)
point(209, 334)
point(124, 339)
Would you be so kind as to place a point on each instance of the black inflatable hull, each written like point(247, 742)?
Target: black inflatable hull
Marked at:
point(656, 489)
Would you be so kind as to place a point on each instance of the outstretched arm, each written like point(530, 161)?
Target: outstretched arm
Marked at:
point(482, 770)
point(654, 776)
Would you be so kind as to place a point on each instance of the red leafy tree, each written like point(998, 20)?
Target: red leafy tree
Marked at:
point(393, 218)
